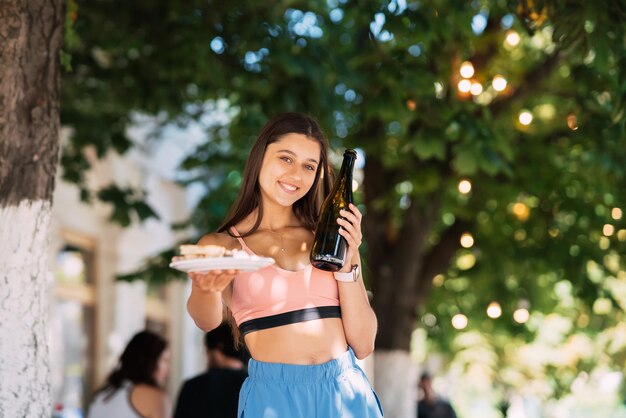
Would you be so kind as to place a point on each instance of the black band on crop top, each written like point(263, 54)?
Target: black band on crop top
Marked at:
point(292, 317)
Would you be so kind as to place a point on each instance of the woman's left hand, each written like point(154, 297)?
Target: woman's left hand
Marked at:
point(350, 223)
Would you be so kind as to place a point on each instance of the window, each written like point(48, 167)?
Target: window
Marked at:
point(72, 324)
point(157, 312)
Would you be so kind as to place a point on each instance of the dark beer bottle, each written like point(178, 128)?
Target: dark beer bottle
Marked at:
point(329, 248)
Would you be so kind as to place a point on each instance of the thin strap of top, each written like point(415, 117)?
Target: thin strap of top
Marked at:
point(244, 247)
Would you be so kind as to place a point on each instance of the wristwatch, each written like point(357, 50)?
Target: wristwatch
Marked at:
point(350, 276)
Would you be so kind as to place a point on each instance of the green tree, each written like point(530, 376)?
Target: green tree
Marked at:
point(385, 77)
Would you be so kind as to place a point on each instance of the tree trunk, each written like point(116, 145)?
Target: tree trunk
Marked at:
point(30, 41)
point(395, 376)
point(402, 266)
point(24, 363)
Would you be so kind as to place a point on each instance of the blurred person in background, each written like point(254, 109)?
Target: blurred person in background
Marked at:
point(431, 405)
point(215, 393)
point(135, 388)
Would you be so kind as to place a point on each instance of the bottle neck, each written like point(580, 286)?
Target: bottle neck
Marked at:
point(345, 175)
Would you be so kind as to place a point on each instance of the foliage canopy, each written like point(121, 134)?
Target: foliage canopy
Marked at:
point(544, 210)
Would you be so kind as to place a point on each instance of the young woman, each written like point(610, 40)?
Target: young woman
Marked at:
point(303, 326)
point(134, 388)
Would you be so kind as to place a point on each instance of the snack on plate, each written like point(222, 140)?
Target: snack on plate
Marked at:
point(190, 251)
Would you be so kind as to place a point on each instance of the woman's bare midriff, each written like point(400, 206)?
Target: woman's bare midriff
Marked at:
point(310, 342)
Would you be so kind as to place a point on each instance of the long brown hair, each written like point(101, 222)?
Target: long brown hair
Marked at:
point(249, 198)
point(138, 362)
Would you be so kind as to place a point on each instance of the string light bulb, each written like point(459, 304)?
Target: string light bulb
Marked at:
point(512, 38)
point(467, 240)
point(459, 321)
point(525, 117)
point(499, 83)
point(572, 122)
point(476, 88)
point(467, 69)
point(465, 186)
point(494, 310)
point(521, 315)
point(521, 211)
point(616, 213)
point(464, 86)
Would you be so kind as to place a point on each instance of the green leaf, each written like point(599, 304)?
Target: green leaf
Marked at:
point(431, 147)
point(144, 211)
point(465, 163)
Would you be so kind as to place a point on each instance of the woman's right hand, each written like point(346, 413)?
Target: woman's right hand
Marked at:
point(213, 280)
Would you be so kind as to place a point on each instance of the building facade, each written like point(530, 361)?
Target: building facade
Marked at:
point(93, 315)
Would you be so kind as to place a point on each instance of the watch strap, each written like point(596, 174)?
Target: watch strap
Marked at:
point(348, 277)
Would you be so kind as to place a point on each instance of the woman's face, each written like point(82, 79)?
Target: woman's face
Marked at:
point(163, 367)
point(288, 168)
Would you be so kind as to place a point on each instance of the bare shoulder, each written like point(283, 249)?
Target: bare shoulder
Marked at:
point(150, 401)
point(147, 391)
point(220, 238)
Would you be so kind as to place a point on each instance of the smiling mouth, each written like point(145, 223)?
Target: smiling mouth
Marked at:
point(288, 187)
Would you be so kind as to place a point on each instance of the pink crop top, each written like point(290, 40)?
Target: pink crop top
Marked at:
point(272, 297)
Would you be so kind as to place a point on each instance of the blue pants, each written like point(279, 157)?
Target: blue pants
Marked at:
point(335, 389)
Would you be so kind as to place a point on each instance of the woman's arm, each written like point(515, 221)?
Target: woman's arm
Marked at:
point(359, 320)
point(205, 304)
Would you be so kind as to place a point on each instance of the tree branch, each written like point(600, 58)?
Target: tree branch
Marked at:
point(438, 259)
point(530, 84)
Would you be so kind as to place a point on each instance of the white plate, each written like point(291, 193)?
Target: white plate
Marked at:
point(221, 263)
